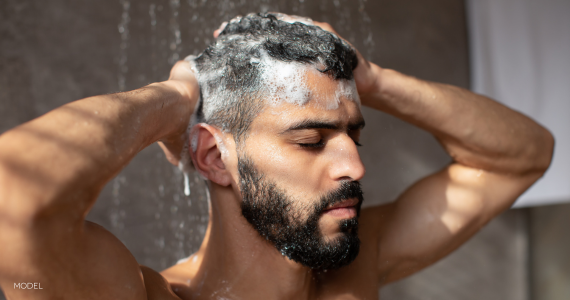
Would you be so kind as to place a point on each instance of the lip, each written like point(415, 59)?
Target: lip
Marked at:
point(344, 204)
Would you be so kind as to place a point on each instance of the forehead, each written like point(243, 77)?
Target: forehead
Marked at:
point(298, 83)
point(306, 94)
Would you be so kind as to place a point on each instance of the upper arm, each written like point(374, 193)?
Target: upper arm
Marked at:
point(82, 261)
point(43, 236)
point(438, 214)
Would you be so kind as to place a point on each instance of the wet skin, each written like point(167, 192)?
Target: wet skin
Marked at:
point(307, 151)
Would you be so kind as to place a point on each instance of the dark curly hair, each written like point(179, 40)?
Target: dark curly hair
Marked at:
point(229, 70)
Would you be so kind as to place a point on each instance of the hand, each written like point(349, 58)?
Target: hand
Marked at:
point(366, 73)
point(181, 78)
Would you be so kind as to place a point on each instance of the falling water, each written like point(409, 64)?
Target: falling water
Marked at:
point(117, 214)
point(124, 31)
point(175, 27)
point(153, 22)
point(186, 184)
point(366, 27)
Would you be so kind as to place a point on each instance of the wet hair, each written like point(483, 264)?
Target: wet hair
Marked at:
point(230, 70)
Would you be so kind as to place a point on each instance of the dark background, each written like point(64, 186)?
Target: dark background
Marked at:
point(55, 52)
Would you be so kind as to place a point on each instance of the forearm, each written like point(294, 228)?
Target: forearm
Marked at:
point(475, 130)
point(60, 161)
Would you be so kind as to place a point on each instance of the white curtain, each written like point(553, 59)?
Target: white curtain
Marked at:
point(520, 55)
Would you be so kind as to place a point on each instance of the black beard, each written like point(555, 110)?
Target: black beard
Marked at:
point(273, 214)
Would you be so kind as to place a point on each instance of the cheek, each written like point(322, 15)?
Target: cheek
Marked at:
point(297, 171)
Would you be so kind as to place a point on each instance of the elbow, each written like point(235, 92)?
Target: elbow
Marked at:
point(538, 157)
point(546, 152)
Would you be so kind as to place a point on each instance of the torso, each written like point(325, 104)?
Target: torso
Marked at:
point(359, 280)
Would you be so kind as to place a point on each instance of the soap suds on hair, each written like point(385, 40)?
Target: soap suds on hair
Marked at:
point(265, 57)
point(286, 82)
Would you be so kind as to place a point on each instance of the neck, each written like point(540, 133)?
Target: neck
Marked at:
point(237, 261)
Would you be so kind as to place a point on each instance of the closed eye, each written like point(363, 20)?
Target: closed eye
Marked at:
point(320, 144)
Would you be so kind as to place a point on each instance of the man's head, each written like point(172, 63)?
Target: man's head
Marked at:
point(239, 70)
point(283, 93)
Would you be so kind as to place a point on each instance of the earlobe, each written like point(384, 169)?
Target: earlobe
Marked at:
point(207, 155)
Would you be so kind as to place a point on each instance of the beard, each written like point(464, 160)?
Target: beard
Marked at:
point(276, 217)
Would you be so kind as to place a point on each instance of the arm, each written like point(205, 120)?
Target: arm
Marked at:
point(497, 154)
point(51, 171)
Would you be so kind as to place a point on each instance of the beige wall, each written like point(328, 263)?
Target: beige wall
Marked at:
point(550, 252)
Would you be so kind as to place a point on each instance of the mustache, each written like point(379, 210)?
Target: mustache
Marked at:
point(346, 190)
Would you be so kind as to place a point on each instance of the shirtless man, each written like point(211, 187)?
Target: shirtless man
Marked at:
point(275, 134)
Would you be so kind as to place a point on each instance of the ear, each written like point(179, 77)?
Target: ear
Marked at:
point(206, 154)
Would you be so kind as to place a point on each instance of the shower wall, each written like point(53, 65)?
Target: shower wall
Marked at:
point(55, 52)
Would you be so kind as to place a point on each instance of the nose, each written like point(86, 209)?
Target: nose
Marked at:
point(345, 163)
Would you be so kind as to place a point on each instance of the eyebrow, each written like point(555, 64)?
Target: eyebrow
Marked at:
point(319, 124)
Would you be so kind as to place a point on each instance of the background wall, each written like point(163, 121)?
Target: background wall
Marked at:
point(520, 53)
point(51, 54)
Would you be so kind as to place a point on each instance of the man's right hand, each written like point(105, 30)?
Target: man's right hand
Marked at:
point(183, 79)
point(366, 74)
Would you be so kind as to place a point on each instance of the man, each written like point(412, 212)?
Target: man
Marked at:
point(275, 131)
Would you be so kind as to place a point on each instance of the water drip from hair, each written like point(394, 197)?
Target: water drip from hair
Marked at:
point(186, 184)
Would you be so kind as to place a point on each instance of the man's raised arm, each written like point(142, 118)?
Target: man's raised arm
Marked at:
point(51, 172)
point(498, 153)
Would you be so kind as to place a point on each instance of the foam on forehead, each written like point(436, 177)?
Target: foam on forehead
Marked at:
point(286, 82)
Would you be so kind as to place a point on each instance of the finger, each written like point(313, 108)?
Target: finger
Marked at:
point(181, 70)
point(173, 159)
point(220, 29)
point(223, 26)
point(293, 18)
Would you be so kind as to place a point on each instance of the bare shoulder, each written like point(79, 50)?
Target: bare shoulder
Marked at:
point(71, 262)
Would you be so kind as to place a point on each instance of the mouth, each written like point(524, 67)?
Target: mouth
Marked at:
point(345, 209)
